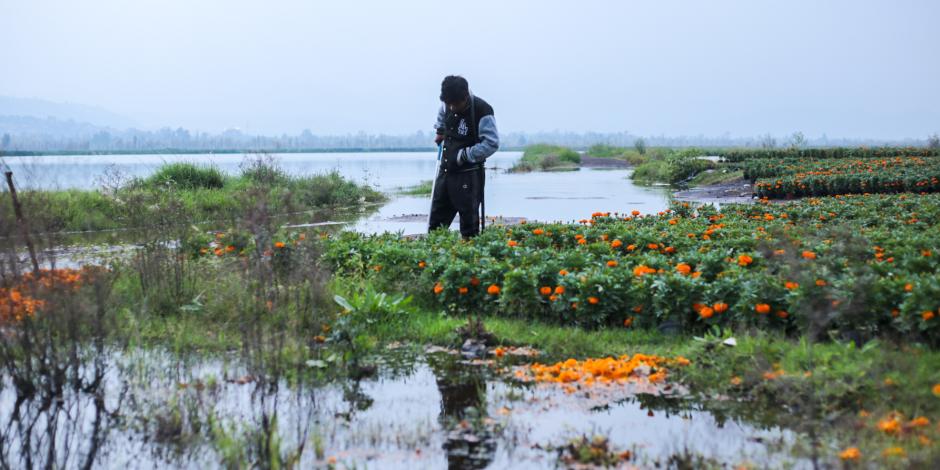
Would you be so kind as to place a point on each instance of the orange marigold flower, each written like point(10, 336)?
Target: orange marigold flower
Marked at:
point(637, 309)
point(627, 322)
point(229, 248)
point(278, 244)
point(559, 290)
point(474, 281)
point(782, 314)
point(683, 268)
point(790, 285)
point(422, 264)
point(745, 260)
point(545, 290)
point(852, 453)
point(582, 241)
point(706, 312)
point(462, 290)
point(499, 352)
point(616, 244)
point(736, 381)
point(631, 247)
point(889, 425)
point(438, 288)
point(652, 246)
point(762, 308)
point(493, 289)
point(673, 221)
point(563, 272)
point(936, 390)
point(538, 231)
point(809, 255)
point(919, 422)
point(820, 282)
point(720, 307)
point(927, 316)
point(908, 287)
point(612, 263)
point(635, 213)
point(593, 300)
point(512, 243)
point(780, 252)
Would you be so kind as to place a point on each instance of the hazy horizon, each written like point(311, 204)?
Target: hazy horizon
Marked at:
point(845, 69)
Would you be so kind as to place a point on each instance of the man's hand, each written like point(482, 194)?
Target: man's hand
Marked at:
point(438, 139)
point(461, 156)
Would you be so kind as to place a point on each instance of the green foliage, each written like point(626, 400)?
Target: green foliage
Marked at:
point(421, 189)
point(742, 155)
point(656, 270)
point(673, 167)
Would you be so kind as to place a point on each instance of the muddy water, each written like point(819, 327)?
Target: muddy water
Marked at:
point(418, 411)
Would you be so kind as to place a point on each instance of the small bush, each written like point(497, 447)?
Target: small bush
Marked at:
point(544, 156)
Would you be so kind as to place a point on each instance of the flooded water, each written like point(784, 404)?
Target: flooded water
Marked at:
point(546, 196)
point(418, 411)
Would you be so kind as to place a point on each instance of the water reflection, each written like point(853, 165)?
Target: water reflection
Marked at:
point(471, 440)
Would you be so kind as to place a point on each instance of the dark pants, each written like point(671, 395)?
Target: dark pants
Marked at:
point(458, 192)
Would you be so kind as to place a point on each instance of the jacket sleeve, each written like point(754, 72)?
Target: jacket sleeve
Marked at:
point(489, 141)
point(439, 125)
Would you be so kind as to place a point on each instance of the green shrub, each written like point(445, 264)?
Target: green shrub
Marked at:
point(186, 176)
point(544, 157)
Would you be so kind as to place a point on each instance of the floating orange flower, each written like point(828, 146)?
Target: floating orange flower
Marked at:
point(545, 290)
point(493, 289)
point(762, 308)
point(809, 255)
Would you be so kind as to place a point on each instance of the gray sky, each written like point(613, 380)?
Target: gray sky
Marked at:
point(857, 68)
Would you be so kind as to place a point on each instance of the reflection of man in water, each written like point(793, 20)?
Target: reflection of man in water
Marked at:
point(467, 130)
point(469, 443)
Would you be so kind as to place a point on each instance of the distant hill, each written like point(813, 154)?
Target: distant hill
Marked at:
point(42, 109)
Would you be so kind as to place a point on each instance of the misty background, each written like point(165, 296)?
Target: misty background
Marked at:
point(112, 74)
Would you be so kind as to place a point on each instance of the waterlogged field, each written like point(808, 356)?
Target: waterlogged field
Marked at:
point(770, 335)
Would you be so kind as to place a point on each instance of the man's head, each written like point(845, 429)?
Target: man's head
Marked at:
point(455, 92)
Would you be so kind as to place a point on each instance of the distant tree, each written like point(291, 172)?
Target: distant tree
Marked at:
point(640, 145)
point(797, 140)
point(5, 143)
point(768, 141)
point(933, 141)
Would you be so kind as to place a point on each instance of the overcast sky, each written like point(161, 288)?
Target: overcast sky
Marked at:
point(858, 68)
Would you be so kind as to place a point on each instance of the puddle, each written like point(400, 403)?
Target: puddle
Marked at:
point(417, 411)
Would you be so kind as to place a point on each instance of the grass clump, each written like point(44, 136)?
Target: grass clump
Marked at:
point(546, 157)
point(421, 189)
point(717, 176)
point(672, 167)
point(185, 175)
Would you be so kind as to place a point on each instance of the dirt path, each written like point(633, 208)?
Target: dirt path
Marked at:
point(736, 191)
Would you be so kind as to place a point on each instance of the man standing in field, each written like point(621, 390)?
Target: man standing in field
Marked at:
point(467, 130)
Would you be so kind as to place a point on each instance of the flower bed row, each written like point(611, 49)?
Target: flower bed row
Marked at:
point(789, 178)
point(742, 155)
point(861, 265)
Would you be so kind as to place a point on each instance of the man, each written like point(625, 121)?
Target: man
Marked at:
point(467, 130)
